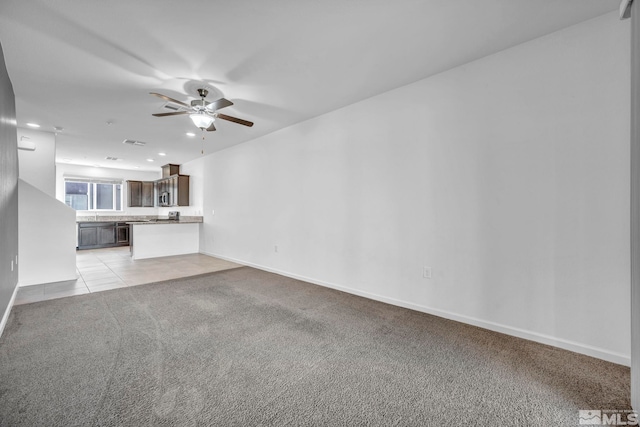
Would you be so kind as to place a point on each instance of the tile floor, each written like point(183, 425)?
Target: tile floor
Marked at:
point(111, 268)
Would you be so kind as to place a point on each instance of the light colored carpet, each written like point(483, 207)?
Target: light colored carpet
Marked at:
point(244, 347)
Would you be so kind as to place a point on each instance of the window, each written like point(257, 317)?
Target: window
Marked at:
point(93, 195)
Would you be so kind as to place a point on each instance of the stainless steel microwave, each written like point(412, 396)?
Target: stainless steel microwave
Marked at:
point(164, 199)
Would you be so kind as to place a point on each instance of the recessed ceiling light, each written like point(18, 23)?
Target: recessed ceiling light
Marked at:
point(33, 125)
point(162, 154)
point(136, 167)
point(150, 160)
point(191, 134)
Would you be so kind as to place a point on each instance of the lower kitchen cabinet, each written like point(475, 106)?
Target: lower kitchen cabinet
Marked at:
point(106, 236)
point(87, 237)
point(93, 235)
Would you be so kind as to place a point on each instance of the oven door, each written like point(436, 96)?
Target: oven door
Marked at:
point(122, 233)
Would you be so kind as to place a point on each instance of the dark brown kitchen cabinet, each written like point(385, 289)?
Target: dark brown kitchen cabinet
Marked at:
point(92, 235)
point(147, 194)
point(87, 237)
point(173, 191)
point(106, 235)
point(170, 169)
point(140, 194)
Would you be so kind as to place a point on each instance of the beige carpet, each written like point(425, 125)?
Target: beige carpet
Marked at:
point(243, 347)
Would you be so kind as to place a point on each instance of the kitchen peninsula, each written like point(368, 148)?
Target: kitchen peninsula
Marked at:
point(148, 236)
point(165, 237)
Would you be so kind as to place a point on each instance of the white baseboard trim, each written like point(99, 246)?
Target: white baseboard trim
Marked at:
point(5, 316)
point(576, 347)
point(22, 284)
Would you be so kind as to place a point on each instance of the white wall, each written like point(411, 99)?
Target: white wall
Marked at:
point(508, 176)
point(47, 241)
point(64, 170)
point(38, 167)
point(8, 196)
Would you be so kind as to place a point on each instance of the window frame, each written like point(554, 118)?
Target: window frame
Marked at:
point(92, 203)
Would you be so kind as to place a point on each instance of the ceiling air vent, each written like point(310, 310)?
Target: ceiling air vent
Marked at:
point(132, 142)
point(171, 106)
point(25, 144)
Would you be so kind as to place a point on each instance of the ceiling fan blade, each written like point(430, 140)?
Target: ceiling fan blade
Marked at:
point(166, 98)
point(175, 113)
point(235, 120)
point(211, 128)
point(218, 104)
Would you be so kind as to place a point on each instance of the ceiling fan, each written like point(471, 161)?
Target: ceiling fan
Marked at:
point(202, 112)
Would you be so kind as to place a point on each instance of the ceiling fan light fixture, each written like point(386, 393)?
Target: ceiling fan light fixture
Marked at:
point(201, 120)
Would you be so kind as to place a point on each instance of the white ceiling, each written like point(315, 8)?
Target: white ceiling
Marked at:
point(80, 64)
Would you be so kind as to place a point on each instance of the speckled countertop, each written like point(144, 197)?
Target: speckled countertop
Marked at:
point(139, 219)
point(165, 221)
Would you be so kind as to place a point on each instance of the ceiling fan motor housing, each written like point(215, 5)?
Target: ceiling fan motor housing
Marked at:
point(199, 104)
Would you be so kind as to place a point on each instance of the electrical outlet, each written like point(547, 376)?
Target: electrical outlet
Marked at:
point(275, 248)
point(426, 272)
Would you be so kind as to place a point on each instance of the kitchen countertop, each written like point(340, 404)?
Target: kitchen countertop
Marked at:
point(164, 221)
point(139, 219)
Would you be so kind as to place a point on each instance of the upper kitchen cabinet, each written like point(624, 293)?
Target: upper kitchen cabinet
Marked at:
point(173, 188)
point(173, 191)
point(140, 194)
point(170, 169)
point(147, 193)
